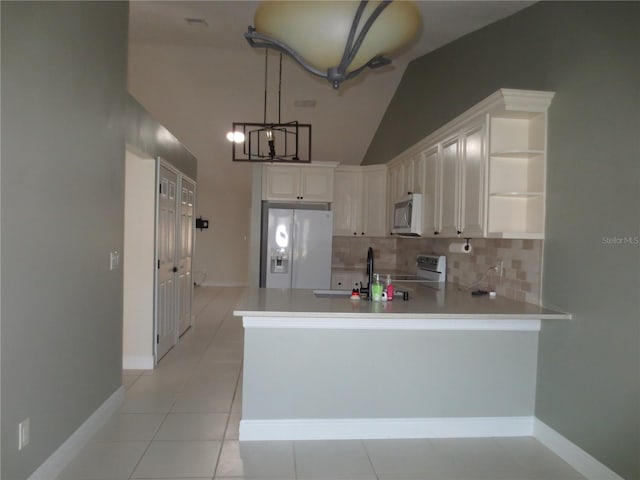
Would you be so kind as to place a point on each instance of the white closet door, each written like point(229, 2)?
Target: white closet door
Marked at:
point(185, 252)
point(166, 326)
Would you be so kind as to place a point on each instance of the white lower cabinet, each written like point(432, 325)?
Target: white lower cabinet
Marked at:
point(359, 206)
point(346, 280)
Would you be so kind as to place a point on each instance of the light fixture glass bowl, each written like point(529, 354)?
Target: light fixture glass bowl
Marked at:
point(319, 30)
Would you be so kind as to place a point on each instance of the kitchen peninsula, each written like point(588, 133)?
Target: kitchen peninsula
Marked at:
point(444, 363)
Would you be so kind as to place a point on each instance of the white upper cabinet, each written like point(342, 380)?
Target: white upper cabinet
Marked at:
point(482, 174)
point(453, 183)
point(280, 183)
point(450, 189)
point(472, 172)
point(360, 199)
point(374, 211)
point(347, 201)
point(299, 183)
point(431, 185)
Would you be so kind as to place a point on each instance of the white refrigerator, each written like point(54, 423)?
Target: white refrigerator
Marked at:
point(296, 248)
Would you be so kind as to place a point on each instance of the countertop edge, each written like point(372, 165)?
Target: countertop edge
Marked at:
point(412, 322)
point(335, 316)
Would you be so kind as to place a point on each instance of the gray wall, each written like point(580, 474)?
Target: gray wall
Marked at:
point(66, 117)
point(147, 135)
point(63, 100)
point(589, 54)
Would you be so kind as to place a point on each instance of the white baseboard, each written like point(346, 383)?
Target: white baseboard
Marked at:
point(580, 460)
point(56, 463)
point(138, 362)
point(370, 428)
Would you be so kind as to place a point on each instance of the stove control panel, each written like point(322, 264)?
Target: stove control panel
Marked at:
point(432, 267)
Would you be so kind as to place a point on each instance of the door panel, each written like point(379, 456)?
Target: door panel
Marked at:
point(166, 327)
point(185, 249)
point(347, 203)
point(281, 183)
point(312, 249)
point(450, 186)
point(374, 212)
point(431, 181)
point(473, 155)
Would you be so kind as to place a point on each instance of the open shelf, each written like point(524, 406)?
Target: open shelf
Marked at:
point(516, 216)
point(524, 154)
point(516, 194)
point(521, 135)
point(508, 174)
point(516, 235)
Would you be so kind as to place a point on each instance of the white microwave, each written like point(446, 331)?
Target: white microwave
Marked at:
point(407, 216)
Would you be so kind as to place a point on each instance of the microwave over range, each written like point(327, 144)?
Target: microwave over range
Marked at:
point(407, 216)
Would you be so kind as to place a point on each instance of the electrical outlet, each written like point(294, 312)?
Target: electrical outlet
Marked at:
point(23, 433)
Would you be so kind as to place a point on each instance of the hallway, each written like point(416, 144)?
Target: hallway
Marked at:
point(181, 421)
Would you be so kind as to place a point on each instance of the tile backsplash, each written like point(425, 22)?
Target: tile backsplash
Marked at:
point(521, 260)
point(351, 252)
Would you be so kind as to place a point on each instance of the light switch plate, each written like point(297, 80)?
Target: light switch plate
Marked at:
point(114, 260)
point(23, 433)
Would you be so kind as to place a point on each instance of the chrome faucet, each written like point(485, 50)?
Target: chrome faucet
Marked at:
point(367, 289)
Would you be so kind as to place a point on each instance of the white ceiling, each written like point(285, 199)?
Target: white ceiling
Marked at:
point(360, 103)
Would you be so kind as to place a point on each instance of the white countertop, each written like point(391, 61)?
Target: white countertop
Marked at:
point(427, 309)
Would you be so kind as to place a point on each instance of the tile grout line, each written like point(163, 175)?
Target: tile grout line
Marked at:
point(295, 464)
point(226, 427)
point(174, 400)
point(366, 451)
point(149, 444)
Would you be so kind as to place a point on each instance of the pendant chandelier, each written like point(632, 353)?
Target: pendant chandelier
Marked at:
point(335, 40)
point(271, 141)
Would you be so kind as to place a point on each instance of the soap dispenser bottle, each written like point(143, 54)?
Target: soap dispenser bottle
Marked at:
point(390, 289)
point(376, 289)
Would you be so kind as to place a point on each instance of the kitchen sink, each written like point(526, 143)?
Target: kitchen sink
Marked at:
point(332, 293)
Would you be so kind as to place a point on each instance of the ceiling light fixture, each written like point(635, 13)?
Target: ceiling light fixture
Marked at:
point(335, 40)
point(271, 142)
point(237, 137)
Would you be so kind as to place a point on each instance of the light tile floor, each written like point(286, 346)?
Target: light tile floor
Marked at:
point(181, 421)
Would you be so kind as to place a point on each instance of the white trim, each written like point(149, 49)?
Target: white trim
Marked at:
point(138, 362)
point(580, 460)
point(370, 428)
point(56, 463)
point(223, 284)
point(395, 323)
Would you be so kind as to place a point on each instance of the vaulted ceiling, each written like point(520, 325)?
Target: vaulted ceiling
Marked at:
point(345, 120)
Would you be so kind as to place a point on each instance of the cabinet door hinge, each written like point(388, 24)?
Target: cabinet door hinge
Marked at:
point(158, 264)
